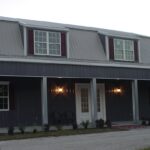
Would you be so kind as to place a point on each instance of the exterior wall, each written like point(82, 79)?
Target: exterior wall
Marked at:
point(61, 107)
point(119, 106)
point(145, 51)
point(144, 99)
point(27, 103)
point(85, 45)
point(78, 71)
point(11, 43)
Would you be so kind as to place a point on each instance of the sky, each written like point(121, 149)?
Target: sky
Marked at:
point(123, 15)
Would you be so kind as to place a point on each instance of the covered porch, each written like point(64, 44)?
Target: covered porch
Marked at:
point(89, 93)
point(64, 101)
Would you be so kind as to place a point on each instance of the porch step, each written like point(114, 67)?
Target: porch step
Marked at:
point(127, 125)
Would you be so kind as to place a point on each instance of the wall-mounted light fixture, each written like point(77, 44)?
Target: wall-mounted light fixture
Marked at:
point(117, 90)
point(59, 90)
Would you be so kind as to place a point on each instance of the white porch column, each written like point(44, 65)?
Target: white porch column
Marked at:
point(107, 47)
point(44, 100)
point(93, 88)
point(25, 40)
point(135, 101)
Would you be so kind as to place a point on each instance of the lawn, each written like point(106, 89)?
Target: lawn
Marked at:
point(53, 133)
point(146, 148)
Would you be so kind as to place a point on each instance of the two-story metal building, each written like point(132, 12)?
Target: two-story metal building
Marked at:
point(54, 73)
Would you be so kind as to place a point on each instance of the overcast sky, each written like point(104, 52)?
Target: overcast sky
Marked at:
point(125, 15)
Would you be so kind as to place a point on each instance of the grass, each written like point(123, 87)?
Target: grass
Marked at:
point(146, 148)
point(16, 136)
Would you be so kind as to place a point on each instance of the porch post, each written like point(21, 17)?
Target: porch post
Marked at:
point(93, 88)
point(44, 100)
point(135, 101)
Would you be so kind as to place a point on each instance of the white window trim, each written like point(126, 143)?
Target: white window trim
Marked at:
point(47, 44)
point(6, 83)
point(124, 50)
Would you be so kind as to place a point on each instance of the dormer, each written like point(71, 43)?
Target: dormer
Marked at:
point(122, 49)
point(50, 42)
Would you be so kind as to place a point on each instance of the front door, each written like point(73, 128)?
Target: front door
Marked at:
point(83, 102)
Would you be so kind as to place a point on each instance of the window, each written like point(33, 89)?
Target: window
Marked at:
point(84, 100)
point(123, 49)
point(98, 100)
point(47, 43)
point(4, 96)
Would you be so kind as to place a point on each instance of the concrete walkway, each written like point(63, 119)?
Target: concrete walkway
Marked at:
point(124, 140)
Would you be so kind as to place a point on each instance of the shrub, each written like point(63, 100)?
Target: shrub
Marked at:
point(59, 127)
point(11, 131)
point(34, 130)
point(143, 122)
point(74, 126)
point(46, 127)
point(85, 124)
point(99, 123)
point(108, 123)
point(22, 130)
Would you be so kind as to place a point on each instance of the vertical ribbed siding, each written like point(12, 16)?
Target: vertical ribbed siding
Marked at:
point(11, 42)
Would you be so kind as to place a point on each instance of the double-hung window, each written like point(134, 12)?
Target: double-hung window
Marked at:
point(123, 49)
point(47, 43)
point(4, 96)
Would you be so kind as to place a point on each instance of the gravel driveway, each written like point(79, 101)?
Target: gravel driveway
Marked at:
point(124, 140)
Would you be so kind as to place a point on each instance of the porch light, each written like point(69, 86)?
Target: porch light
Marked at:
point(117, 90)
point(59, 90)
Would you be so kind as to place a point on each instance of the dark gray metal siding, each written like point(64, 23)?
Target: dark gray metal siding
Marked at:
point(58, 70)
point(119, 106)
point(27, 111)
point(144, 99)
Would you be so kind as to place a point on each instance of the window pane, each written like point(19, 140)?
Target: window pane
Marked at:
point(3, 97)
point(40, 42)
point(40, 48)
point(129, 45)
point(129, 55)
point(84, 100)
point(5, 106)
point(1, 90)
point(54, 49)
point(118, 43)
point(54, 37)
point(118, 49)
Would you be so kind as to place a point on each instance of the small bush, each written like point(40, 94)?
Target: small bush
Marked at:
point(59, 127)
point(74, 126)
point(34, 130)
point(108, 124)
point(22, 130)
point(46, 127)
point(11, 131)
point(99, 123)
point(85, 124)
point(143, 122)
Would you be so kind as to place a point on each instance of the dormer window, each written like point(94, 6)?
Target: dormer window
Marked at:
point(123, 50)
point(47, 43)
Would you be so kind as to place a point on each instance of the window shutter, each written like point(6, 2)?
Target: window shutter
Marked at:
point(111, 48)
point(11, 97)
point(30, 42)
point(136, 50)
point(63, 44)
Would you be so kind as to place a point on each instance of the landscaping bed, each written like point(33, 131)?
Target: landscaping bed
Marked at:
point(57, 133)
